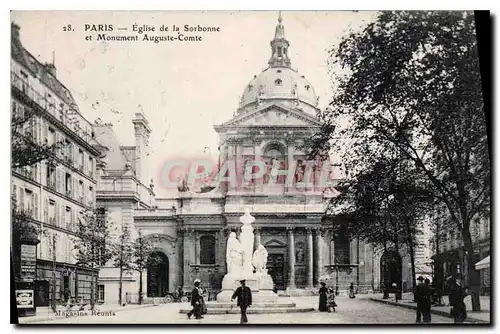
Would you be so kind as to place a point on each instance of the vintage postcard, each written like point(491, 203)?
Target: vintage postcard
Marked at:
point(249, 167)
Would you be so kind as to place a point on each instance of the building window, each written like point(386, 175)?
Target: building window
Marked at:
point(67, 219)
point(91, 196)
point(51, 177)
point(100, 292)
point(207, 249)
point(52, 212)
point(52, 137)
point(81, 160)
point(68, 189)
point(278, 82)
point(80, 191)
point(91, 166)
point(342, 249)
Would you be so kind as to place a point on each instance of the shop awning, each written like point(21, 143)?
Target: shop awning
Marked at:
point(483, 264)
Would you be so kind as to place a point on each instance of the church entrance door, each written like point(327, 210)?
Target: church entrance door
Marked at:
point(157, 275)
point(275, 266)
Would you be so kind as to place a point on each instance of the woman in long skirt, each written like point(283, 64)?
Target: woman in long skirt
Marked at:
point(351, 291)
point(323, 298)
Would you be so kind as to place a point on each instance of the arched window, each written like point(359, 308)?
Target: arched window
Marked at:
point(278, 82)
point(207, 249)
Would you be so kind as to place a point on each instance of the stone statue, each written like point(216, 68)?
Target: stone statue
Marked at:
point(259, 259)
point(299, 255)
point(182, 185)
point(234, 255)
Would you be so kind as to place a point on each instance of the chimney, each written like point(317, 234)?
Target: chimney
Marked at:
point(14, 30)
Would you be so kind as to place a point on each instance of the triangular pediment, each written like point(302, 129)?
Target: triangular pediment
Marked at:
point(274, 243)
point(274, 115)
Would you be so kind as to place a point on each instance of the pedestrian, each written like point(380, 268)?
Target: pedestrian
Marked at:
point(180, 293)
point(351, 291)
point(244, 300)
point(196, 301)
point(456, 296)
point(323, 298)
point(420, 298)
point(331, 305)
point(427, 301)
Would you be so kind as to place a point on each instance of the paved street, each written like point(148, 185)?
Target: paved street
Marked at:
point(350, 311)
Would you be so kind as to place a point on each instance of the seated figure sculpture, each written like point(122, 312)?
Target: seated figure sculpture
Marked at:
point(259, 260)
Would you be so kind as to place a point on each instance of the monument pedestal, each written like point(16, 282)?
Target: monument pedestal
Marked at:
point(261, 286)
point(240, 267)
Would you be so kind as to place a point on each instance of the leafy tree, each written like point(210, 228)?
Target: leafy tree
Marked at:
point(26, 150)
point(92, 244)
point(123, 256)
point(141, 259)
point(410, 83)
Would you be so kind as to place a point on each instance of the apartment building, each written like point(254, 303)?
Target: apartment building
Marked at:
point(53, 193)
point(448, 249)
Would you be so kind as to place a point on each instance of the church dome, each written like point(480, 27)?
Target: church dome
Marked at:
point(280, 82)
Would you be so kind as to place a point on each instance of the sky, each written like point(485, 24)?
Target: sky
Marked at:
point(182, 88)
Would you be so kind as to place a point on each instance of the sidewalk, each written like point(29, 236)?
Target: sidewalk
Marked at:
point(44, 314)
point(476, 317)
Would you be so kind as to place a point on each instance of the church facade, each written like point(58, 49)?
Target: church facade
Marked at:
point(287, 196)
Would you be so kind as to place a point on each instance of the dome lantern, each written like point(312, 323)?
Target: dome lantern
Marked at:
point(279, 47)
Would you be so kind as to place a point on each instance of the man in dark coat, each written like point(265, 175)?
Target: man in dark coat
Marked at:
point(420, 296)
point(196, 301)
point(426, 311)
point(244, 295)
point(456, 296)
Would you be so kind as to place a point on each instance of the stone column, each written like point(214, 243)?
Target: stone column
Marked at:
point(180, 252)
point(231, 159)
point(258, 157)
point(319, 252)
point(291, 257)
point(310, 263)
point(188, 245)
point(290, 153)
point(332, 247)
point(239, 163)
point(256, 231)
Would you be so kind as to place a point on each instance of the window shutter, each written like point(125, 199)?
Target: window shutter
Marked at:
point(61, 181)
point(45, 133)
point(58, 221)
point(46, 210)
point(32, 208)
point(62, 208)
point(75, 156)
point(84, 194)
point(85, 163)
point(73, 188)
point(73, 220)
point(57, 140)
point(39, 130)
point(21, 199)
point(35, 206)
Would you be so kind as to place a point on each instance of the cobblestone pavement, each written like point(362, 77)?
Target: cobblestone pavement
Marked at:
point(350, 311)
